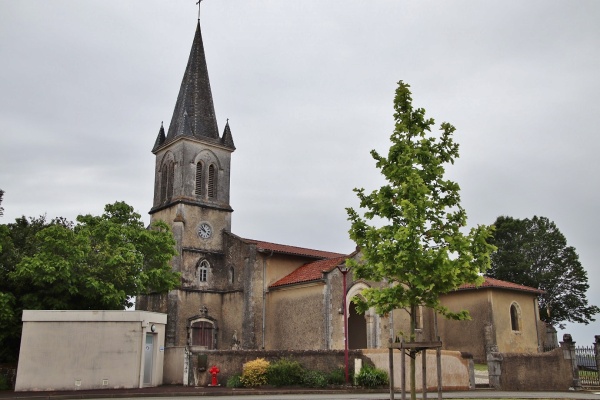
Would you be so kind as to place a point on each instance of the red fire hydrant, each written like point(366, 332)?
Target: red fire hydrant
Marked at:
point(214, 371)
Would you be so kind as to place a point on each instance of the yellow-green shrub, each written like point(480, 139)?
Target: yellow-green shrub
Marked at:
point(254, 373)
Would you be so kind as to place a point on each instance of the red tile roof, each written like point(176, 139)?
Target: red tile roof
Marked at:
point(285, 249)
point(497, 283)
point(310, 272)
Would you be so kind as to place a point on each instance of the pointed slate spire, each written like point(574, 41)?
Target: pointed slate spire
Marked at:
point(194, 113)
point(227, 138)
point(160, 139)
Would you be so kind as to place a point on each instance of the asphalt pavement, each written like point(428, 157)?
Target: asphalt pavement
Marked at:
point(222, 393)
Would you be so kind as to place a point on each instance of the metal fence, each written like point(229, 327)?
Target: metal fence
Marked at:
point(588, 368)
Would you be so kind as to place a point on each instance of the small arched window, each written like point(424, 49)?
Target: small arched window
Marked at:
point(199, 168)
point(203, 271)
point(212, 171)
point(515, 317)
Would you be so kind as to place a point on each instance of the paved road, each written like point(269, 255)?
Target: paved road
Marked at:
point(386, 396)
point(204, 395)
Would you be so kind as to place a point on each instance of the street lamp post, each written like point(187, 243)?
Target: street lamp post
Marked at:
point(344, 270)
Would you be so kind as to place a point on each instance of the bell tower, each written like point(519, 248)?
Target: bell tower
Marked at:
point(191, 187)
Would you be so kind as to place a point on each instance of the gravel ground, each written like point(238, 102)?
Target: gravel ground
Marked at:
point(481, 378)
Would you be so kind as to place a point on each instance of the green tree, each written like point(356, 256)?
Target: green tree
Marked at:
point(101, 262)
point(411, 234)
point(17, 240)
point(533, 252)
point(1, 208)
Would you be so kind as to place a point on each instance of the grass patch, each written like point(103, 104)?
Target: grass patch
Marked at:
point(481, 367)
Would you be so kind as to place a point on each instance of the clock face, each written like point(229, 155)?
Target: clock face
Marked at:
point(204, 231)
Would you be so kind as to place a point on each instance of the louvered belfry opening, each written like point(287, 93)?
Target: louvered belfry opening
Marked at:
point(211, 181)
point(166, 181)
point(199, 168)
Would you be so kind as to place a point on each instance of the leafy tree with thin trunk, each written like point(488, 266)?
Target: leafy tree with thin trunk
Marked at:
point(533, 252)
point(101, 262)
point(411, 235)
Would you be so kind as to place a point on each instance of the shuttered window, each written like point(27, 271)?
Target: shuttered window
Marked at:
point(202, 334)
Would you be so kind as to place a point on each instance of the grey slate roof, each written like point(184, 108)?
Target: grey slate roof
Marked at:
point(160, 139)
point(194, 114)
point(227, 137)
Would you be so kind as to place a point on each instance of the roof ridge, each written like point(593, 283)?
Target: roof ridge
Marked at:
point(490, 282)
point(331, 254)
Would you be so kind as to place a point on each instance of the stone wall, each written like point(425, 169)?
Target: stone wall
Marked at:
point(230, 362)
point(456, 368)
point(174, 365)
point(304, 322)
point(541, 371)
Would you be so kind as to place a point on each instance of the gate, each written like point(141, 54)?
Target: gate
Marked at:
point(587, 364)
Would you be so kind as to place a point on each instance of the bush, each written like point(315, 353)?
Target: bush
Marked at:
point(285, 372)
point(4, 384)
point(337, 377)
point(235, 381)
point(371, 377)
point(254, 373)
point(316, 379)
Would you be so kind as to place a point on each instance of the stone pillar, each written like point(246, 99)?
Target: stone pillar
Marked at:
point(494, 362)
point(490, 339)
point(597, 351)
point(471, 366)
point(568, 347)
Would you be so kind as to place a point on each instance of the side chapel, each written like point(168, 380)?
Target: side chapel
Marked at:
point(241, 293)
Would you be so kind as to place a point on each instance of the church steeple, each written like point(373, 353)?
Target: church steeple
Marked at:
point(194, 113)
point(192, 160)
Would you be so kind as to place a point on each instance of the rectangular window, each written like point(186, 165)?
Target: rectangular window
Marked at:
point(202, 334)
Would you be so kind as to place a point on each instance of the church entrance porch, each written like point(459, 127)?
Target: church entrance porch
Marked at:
point(357, 329)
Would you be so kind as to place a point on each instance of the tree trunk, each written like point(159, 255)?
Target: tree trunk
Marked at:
point(413, 354)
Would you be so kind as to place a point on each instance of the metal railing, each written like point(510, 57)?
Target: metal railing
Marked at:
point(587, 366)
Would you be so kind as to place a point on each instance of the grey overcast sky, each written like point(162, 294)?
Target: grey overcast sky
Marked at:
point(308, 88)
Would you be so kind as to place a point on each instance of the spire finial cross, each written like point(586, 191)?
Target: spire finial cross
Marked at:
point(198, 3)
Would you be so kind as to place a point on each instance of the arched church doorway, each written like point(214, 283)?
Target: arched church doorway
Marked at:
point(357, 328)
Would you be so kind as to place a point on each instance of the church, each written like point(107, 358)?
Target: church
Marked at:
point(247, 294)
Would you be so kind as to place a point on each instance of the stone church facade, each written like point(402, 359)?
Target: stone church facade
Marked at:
point(240, 293)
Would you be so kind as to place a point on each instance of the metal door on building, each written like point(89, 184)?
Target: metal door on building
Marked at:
point(148, 358)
